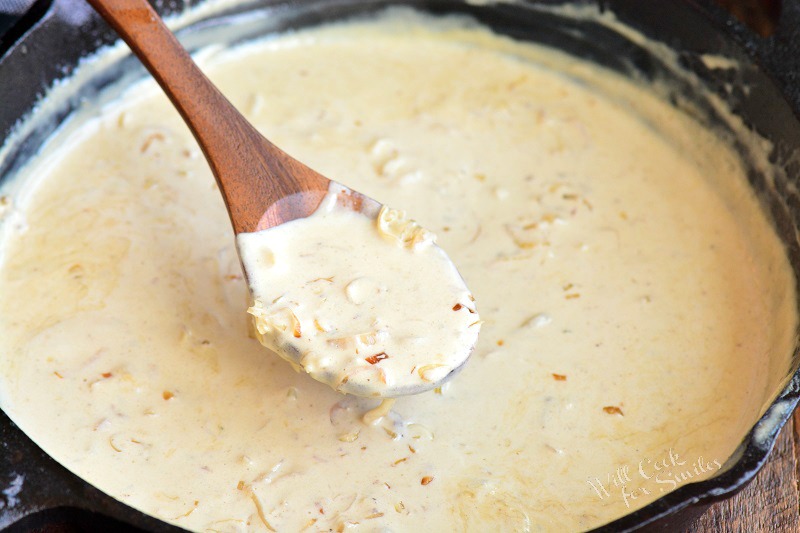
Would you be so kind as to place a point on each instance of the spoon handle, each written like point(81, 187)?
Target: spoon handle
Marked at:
point(261, 184)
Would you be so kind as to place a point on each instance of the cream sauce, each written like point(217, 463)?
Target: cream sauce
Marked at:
point(369, 306)
point(633, 295)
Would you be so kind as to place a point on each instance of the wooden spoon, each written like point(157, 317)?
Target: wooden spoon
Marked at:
point(263, 187)
point(261, 184)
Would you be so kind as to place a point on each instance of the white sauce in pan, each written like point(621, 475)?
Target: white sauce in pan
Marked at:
point(635, 300)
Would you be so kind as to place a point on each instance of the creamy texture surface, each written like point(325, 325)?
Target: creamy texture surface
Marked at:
point(633, 296)
point(369, 306)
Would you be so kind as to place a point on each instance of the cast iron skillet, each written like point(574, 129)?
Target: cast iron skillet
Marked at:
point(38, 493)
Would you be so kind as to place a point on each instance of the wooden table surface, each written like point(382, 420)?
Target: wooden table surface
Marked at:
point(771, 502)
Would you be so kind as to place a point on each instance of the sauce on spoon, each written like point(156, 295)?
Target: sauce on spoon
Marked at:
point(372, 307)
